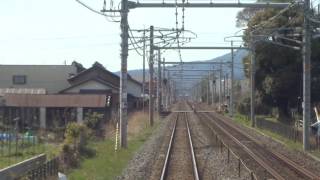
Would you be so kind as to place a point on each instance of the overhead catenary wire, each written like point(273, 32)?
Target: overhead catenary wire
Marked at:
point(93, 10)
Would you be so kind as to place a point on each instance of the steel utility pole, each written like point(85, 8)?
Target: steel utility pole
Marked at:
point(144, 69)
point(227, 90)
point(306, 75)
point(208, 89)
point(252, 82)
point(159, 83)
point(215, 90)
point(212, 91)
point(151, 87)
point(224, 88)
point(123, 75)
point(232, 77)
point(168, 94)
point(220, 87)
point(164, 91)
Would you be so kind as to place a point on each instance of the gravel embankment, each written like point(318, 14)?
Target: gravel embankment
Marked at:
point(296, 156)
point(212, 163)
point(140, 167)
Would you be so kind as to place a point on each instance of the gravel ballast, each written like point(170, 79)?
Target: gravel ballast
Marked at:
point(212, 162)
point(301, 158)
point(140, 167)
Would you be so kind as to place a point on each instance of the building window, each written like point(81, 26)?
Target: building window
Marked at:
point(19, 79)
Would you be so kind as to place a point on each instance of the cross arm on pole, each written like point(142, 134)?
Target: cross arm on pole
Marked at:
point(195, 62)
point(133, 5)
point(203, 47)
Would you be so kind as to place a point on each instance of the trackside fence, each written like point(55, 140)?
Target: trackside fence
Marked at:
point(44, 171)
point(289, 132)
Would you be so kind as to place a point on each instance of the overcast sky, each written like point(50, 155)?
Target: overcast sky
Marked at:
point(55, 31)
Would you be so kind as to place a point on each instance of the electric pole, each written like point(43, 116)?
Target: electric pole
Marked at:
point(220, 87)
point(212, 91)
point(159, 83)
point(232, 79)
point(224, 89)
point(227, 87)
point(164, 85)
point(306, 53)
point(208, 89)
point(144, 69)
point(123, 75)
point(168, 90)
point(252, 107)
point(151, 87)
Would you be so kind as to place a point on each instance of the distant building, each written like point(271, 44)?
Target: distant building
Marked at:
point(51, 78)
point(98, 80)
point(57, 94)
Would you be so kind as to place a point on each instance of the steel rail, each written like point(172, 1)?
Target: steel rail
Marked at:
point(252, 154)
point(167, 159)
point(297, 168)
point(194, 162)
point(166, 162)
point(292, 165)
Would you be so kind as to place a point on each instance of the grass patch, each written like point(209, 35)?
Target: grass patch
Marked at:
point(6, 159)
point(241, 119)
point(107, 164)
point(268, 118)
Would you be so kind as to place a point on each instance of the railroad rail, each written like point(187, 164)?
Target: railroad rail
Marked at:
point(180, 134)
point(277, 165)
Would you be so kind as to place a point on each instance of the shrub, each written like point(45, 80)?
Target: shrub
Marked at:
point(243, 106)
point(75, 144)
point(70, 156)
point(92, 120)
point(76, 134)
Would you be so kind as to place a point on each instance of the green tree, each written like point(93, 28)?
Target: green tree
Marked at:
point(279, 69)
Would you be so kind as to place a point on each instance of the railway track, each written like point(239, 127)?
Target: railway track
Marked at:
point(180, 161)
point(274, 165)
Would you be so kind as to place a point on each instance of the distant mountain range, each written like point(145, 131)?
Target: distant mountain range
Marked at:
point(238, 67)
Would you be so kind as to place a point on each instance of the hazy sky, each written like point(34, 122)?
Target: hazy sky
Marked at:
point(54, 31)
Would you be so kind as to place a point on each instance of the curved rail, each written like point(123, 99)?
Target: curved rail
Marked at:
point(253, 155)
point(290, 164)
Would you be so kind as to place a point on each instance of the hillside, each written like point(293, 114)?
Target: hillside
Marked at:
point(238, 66)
